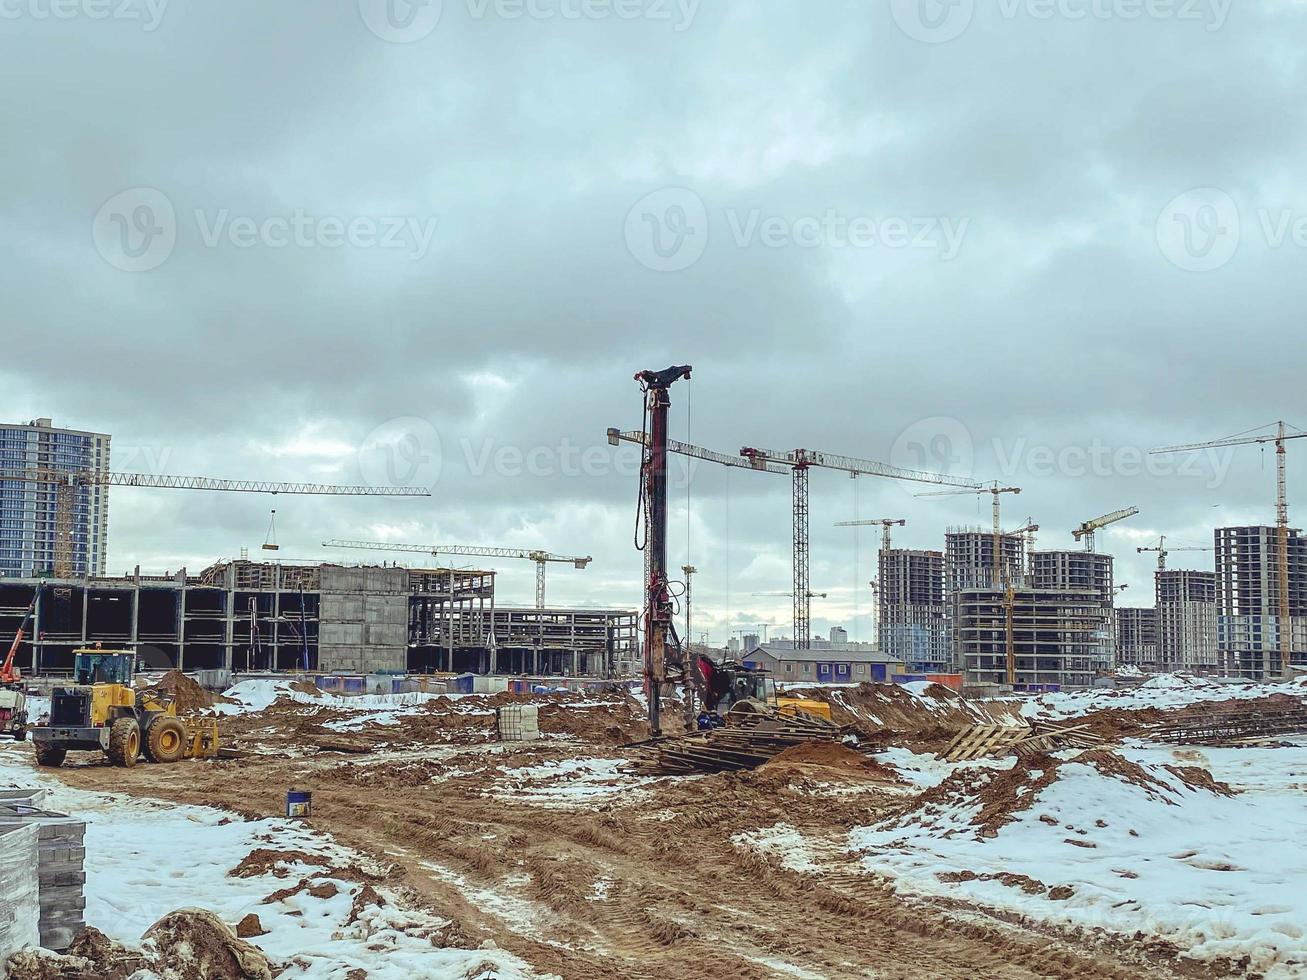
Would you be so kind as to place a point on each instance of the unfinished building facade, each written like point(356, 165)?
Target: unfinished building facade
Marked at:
point(1186, 621)
point(1061, 613)
point(1248, 599)
point(267, 616)
point(1061, 638)
point(969, 559)
point(1078, 571)
point(913, 625)
point(1136, 637)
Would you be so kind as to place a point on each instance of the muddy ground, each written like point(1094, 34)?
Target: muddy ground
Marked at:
point(552, 851)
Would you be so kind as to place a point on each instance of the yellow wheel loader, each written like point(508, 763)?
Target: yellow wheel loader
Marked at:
point(102, 712)
point(732, 686)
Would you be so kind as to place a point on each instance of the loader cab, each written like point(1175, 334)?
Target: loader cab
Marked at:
point(97, 667)
point(751, 682)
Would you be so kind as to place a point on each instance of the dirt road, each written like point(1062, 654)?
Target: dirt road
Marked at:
point(642, 883)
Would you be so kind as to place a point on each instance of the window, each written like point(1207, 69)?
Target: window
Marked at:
point(862, 668)
point(842, 669)
point(789, 668)
point(807, 668)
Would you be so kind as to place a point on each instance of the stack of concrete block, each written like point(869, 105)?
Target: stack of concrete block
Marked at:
point(518, 722)
point(61, 877)
point(20, 899)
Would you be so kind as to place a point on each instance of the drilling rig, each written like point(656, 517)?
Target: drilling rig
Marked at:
point(664, 657)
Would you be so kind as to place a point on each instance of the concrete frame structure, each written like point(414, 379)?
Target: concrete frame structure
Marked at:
point(1248, 591)
point(913, 624)
point(1186, 621)
point(1074, 571)
point(1136, 637)
point(27, 508)
point(253, 616)
point(1061, 636)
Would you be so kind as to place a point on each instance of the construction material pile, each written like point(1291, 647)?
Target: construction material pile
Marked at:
point(1021, 738)
point(1231, 725)
point(746, 743)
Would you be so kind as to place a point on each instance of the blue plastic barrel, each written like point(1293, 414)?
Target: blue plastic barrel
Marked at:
point(299, 804)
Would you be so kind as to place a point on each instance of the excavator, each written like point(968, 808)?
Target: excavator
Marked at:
point(13, 702)
point(733, 686)
point(101, 711)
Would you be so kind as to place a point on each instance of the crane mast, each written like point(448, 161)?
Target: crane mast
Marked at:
point(800, 461)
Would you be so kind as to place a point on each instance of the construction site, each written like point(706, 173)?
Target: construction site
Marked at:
point(383, 770)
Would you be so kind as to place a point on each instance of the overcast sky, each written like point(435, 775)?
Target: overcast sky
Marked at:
point(1021, 240)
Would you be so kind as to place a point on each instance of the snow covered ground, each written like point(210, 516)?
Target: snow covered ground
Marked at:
point(133, 880)
point(1162, 691)
point(365, 709)
point(573, 782)
point(1208, 872)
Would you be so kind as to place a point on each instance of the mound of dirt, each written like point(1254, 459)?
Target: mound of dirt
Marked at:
point(263, 860)
point(187, 695)
point(306, 687)
point(92, 956)
point(1000, 793)
point(834, 755)
point(194, 944)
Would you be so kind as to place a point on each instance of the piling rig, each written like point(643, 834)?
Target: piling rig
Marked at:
point(664, 657)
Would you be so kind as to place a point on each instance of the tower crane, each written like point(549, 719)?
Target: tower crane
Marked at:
point(1281, 436)
point(996, 491)
point(999, 573)
point(541, 558)
point(1088, 528)
point(799, 461)
point(1162, 551)
point(689, 571)
point(786, 595)
point(883, 523)
point(66, 484)
point(1029, 531)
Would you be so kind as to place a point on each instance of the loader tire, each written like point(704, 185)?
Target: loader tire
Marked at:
point(165, 741)
point(49, 756)
point(124, 742)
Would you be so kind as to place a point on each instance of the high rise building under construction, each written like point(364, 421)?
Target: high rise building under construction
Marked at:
point(27, 507)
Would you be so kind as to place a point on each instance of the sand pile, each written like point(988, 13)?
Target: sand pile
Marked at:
point(187, 695)
point(834, 755)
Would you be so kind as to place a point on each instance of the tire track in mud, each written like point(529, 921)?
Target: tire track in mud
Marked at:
point(680, 900)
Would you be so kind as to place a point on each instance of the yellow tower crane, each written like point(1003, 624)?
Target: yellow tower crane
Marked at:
point(1086, 530)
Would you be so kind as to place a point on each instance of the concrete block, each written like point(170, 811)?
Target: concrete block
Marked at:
point(19, 890)
point(31, 796)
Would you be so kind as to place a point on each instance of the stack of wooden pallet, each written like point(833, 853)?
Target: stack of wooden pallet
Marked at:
point(748, 742)
point(1023, 739)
